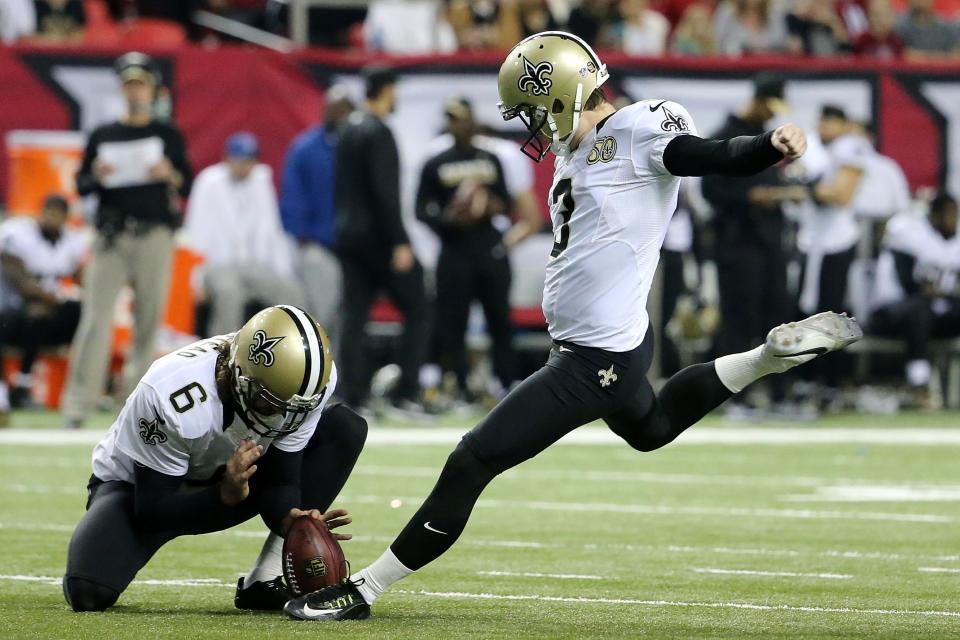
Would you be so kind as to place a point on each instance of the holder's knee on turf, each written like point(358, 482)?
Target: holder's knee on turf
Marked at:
point(85, 595)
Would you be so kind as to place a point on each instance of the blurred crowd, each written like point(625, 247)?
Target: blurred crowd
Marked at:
point(837, 230)
point(885, 29)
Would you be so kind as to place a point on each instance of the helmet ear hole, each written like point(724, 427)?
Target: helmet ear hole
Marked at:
point(557, 106)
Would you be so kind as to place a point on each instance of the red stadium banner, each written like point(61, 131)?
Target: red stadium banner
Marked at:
point(915, 109)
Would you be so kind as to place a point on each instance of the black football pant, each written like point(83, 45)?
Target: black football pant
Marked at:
point(577, 385)
point(916, 321)
point(671, 264)
point(752, 279)
point(363, 278)
point(108, 548)
point(30, 333)
point(462, 277)
point(832, 296)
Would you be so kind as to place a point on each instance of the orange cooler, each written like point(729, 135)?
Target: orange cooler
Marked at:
point(42, 162)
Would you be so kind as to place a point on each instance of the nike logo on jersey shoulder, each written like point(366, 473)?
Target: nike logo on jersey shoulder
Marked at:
point(426, 525)
point(657, 106)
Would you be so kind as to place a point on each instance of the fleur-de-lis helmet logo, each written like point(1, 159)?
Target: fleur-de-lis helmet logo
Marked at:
point(536, 77)
point(261, 349)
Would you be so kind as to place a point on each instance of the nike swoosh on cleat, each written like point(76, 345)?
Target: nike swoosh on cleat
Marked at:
point(426, 525)
point(656, 106)
point(310, 611)
point(817, 351)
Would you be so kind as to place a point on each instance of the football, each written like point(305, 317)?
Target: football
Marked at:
point(312, 558)
point(470, 203)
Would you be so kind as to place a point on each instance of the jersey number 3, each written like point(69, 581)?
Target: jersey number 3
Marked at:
point(561, 195)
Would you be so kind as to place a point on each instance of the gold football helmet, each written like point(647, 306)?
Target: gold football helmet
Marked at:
point(545, 81)
point(280, 365)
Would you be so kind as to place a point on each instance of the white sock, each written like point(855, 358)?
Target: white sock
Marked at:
point(377, 578)
point(269, 564)
point(4, 397)
point(918, 373)
point(739, 370)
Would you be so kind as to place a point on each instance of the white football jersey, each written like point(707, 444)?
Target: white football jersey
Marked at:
point(173, 422)
point(610, 204)
point(828, 229)
point(937, 258)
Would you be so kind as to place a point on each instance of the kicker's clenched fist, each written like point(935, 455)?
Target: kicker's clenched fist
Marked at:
point(790, 141)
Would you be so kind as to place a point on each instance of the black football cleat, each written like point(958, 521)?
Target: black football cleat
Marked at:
point(339, 602)
point(262, 596)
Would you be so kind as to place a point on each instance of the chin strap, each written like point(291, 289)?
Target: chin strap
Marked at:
point(562, 147)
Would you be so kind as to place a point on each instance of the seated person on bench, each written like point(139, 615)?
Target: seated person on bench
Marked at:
point(36, 254)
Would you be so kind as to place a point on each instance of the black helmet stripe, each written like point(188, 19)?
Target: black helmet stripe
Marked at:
point(313, 350)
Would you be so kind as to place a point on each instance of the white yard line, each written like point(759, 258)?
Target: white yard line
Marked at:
point(181, 582)
point(581, 475)
point(212, 582)
point(530, 574)
point(839, 491)
point(845, 554)
point(584, 436)
point(77, 490)
point(938, 569)
point(649, 509)
point(674, 603)
point(772, 574)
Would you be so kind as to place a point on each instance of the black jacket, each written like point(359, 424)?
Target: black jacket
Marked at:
point(151, 203)
point(368, 219)
point(735, 220)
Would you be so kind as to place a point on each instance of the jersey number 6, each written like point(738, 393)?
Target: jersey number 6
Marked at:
point(182, 399)
point(561, 194)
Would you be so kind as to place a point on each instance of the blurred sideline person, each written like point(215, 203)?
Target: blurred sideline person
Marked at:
point(35, 255)
point(373, 246)
point(461, 190)
point(307, 199)
point(234, 223)
point(828, 237)
point(829, 232)
point(616, 181)
point(918, 286)
point(138, 167)
point(678, 242)
point(216, 433)
point(518, 176)
point(883, 191)
point(748, 231)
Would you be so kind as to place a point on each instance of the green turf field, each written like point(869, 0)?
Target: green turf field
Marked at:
point(855, 538)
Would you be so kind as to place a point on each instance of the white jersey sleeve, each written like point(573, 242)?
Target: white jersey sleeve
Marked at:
point(148, 434)
point(851, 151)
point(298, 440)
point(664, 121)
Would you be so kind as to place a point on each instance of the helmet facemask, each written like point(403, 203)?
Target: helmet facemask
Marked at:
point(534, 119)
point(266, 414)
